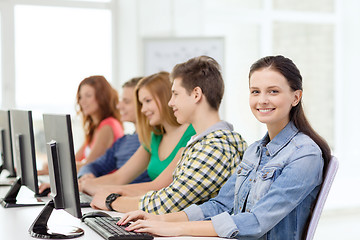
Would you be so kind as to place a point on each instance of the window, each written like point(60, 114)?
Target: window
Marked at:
point(304, 5)
point(55, 50)
point(1, 82)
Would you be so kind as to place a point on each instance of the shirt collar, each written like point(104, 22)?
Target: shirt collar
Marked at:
point(221, 125)
point(280, 140)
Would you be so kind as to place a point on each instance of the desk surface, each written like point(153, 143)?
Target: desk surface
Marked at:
point(15, 222)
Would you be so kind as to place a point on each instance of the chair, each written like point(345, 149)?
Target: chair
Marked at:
point(324, 191)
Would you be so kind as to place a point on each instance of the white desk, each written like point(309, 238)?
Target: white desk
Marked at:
point(15, 222)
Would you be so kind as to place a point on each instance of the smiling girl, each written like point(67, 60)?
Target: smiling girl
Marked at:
point(97, 101)
point(162, 139)
point(273, 191)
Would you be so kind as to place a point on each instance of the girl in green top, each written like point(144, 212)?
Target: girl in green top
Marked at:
point(156, 166)
point(162, 140)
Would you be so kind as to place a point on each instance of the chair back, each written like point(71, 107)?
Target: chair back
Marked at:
point(324, 192)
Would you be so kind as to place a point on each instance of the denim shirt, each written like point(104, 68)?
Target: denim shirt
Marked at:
point(115, 157)
point(271, 194)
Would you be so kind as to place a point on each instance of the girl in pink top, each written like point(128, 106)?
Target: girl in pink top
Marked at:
point(116, 128)
point(97, 102)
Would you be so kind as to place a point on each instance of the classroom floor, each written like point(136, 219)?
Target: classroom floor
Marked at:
point(339, 224)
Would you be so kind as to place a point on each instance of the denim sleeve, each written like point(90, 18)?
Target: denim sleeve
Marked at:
point(103, 165)
point(194, 213)
point(297, 180)
point(228, 230)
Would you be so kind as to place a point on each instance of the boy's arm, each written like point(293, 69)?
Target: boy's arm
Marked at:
point(163, 180)
point(133, 191)
point(200, 173)
point(203, 170)
point(127, 173)
point(102, 165)
point(121, 204)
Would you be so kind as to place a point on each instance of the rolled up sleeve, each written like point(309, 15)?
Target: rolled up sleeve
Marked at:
point(194, 213)
point(228, 230)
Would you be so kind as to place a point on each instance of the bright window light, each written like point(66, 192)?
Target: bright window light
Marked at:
point(0, 67)
point(56, 48)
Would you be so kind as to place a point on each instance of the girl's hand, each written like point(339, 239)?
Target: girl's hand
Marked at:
point(136, 215)
point(158, 228)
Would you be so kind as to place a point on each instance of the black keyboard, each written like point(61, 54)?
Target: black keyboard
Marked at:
point(85, 199)
point(107, 228)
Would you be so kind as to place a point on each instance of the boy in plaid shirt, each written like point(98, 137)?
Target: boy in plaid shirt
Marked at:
point(209, 158)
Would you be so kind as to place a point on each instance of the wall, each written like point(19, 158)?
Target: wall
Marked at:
point(161, 18)
point(251, 29)
point(323, 41)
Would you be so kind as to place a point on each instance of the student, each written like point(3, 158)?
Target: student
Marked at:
point(124, 147)
point(97, 103)
point(274, 188)
point(162, 137)
point(209, 158)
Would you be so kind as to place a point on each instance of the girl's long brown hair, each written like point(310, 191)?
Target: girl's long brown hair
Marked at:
point(107, 98)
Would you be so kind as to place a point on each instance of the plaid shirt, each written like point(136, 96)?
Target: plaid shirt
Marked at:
point(204, 167)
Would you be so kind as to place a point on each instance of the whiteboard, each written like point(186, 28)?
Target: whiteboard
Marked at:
point(162, 54)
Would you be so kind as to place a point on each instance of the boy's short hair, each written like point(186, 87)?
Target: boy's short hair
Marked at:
point(203, 72)
point(132, 82)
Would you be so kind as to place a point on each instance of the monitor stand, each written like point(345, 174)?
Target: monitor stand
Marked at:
point(40, 229)
point(11, 177)
point(5, 178)
point(11, 199)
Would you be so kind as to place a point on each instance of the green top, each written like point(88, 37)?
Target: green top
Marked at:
point(156, 166)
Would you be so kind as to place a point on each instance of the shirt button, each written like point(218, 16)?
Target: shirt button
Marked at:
point(239, 171)
point(267, 153)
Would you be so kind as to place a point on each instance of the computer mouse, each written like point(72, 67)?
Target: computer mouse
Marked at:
point(44, 193)
point(94, 214)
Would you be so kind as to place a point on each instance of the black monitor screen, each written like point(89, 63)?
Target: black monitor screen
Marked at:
point(23, 144)
point(62, 168)
point(6, 161)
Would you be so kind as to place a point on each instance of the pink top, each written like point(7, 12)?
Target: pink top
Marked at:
point(117, 130)
point(115, 125)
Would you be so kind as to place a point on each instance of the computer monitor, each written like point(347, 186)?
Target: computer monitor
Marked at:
point(22, 136)
point(63, 179)
point(6, 161)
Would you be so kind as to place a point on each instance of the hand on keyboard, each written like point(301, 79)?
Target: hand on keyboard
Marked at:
point(107, 228)
point(137, 215)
